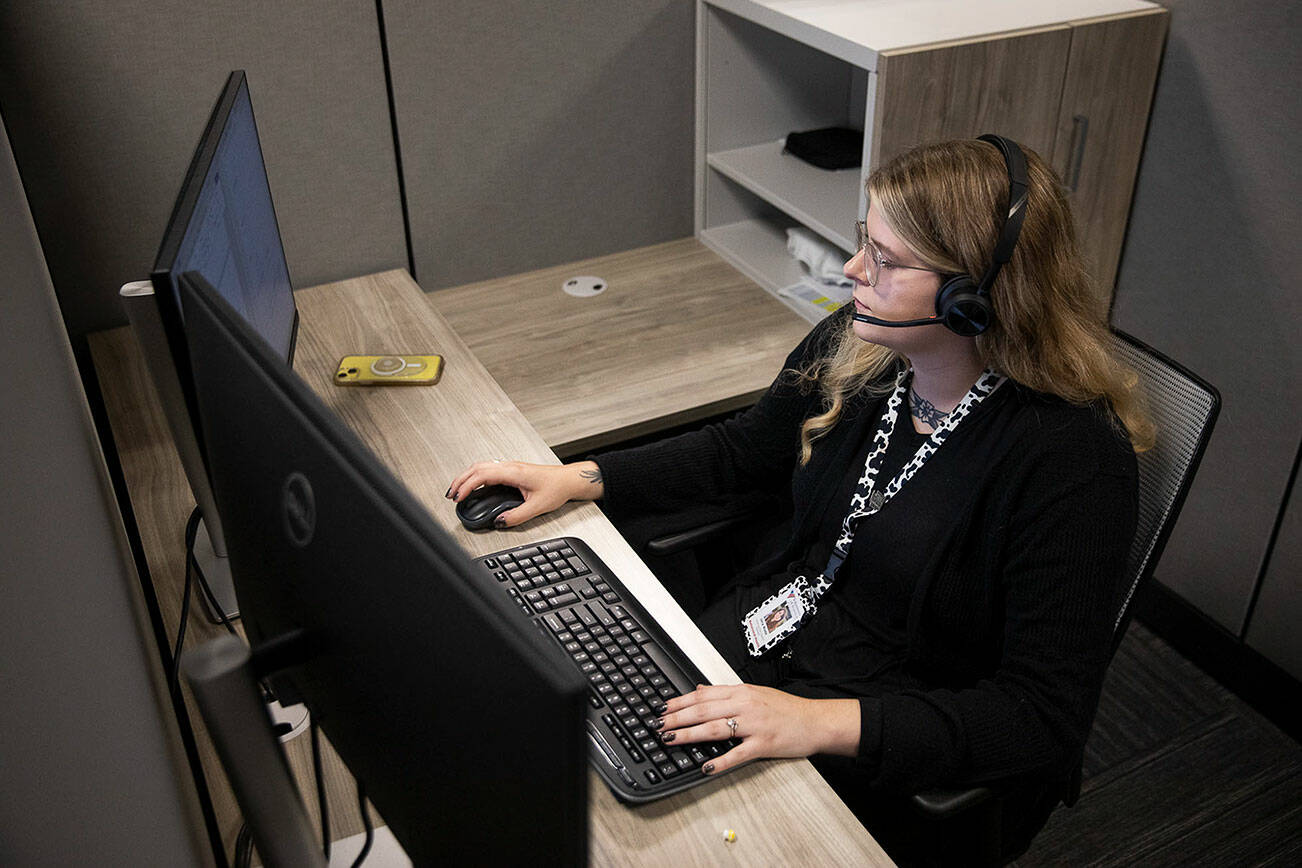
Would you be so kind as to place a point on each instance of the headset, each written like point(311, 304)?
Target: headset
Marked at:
point(963, 305)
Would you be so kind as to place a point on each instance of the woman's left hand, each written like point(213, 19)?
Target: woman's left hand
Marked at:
point(769, 722)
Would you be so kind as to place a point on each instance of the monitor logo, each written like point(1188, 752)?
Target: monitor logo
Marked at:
point(298, 509)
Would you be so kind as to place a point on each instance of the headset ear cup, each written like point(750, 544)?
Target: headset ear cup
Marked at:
point(962, 309)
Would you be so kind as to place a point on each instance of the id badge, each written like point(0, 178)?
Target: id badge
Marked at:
point(766, 624)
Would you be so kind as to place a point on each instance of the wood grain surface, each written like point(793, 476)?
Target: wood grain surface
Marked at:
point(782, 811)
point(678, 335)
point(1110, 81)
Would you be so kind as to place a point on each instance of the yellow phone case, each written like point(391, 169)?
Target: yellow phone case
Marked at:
point(391, 370)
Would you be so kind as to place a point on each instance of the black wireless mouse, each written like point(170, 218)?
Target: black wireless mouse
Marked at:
point(481, 507)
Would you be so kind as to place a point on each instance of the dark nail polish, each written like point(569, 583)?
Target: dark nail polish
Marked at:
point(668, 737)
point(499, 522)
point(658, 723)
point(708, 768)
point(449, 494)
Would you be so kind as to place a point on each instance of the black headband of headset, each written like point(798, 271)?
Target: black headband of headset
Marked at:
point(1012, 227)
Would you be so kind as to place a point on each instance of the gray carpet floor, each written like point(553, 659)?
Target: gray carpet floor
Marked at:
point(1178, 771)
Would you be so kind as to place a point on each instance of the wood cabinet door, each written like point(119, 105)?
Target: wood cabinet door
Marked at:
point(1010, 85)
point(1105, 104)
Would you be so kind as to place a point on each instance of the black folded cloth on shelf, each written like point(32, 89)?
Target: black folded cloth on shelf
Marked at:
point(827, 148)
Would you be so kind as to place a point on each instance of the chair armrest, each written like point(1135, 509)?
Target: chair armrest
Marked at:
point(940, 804)
point(692, 537)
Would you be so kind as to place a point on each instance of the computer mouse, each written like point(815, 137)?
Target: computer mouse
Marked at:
point(481, 507)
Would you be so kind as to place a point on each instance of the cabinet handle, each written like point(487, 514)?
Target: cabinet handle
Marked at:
point(1080, 127)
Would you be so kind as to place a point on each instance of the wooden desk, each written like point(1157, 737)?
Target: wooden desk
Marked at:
point(677, 336)
point(425, 435)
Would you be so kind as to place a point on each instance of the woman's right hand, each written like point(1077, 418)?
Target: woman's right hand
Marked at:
point(544, 486)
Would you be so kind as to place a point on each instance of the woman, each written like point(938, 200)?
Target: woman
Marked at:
point(950, 581)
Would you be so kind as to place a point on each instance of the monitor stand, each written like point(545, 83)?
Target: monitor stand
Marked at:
point(216, 571)
point(222, 682)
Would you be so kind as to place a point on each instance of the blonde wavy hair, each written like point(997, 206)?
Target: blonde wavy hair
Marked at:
point(1050, 333)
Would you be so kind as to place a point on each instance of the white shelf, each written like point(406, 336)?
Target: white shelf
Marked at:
point(857, 30)
point(758, 249)
point(825, 201)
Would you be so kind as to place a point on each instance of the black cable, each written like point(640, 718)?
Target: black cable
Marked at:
point(321, 801)
point(243, 847)
point(173, 679)
point(193, 563)
point(366, 822)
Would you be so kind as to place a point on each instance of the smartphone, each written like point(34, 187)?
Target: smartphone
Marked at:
point(405, 370)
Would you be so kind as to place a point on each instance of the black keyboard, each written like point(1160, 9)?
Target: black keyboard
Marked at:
point(632, 667)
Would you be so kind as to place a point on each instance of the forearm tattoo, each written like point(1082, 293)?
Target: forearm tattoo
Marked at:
point(925, 410)
point(593, 476)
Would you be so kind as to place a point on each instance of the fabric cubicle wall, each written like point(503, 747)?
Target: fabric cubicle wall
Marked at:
point(92, 765)
point(1209, 277)
point(534, 134)
point(105, 102)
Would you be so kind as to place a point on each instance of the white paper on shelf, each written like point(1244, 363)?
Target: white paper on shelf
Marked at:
point(817, 297)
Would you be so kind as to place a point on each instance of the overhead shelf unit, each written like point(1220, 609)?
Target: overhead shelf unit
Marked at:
point(1072, 80)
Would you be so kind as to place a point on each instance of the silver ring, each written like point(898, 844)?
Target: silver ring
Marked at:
point(732, 726)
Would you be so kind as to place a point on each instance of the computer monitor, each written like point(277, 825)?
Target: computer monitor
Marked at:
point(465, 725)
point(224, 226)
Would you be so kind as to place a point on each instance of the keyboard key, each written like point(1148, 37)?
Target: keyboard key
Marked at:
point(554, 624)
point(576, 563)
point(565, 599)
point(668, 769)
point(698, 756)
point(648, 744)
point(652, 775)
point(681, 759)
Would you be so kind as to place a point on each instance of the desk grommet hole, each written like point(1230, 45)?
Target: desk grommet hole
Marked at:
point(584, 286)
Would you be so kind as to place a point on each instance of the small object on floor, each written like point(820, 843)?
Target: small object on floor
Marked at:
point(729, 835)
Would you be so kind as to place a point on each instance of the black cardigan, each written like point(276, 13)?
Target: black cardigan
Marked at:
point(1010, 620)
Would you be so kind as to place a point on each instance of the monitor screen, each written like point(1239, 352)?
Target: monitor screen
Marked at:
point(464, 724)
point(224, 225)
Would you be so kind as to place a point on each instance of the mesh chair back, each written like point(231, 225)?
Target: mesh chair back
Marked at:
point(1184, 407)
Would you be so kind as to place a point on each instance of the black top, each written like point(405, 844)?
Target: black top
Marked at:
point(974, 615)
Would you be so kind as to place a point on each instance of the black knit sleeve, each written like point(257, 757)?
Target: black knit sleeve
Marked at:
point(754, 451)
point(1071, 517)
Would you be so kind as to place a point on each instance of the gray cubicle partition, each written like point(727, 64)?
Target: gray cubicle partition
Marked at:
point(91, 765)
point(105, 102)
point(1210, 276)
point(540, 133)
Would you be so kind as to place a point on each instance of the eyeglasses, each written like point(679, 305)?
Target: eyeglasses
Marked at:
point(874, 261)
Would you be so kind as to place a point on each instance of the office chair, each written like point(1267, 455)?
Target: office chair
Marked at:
point(1184, 408)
